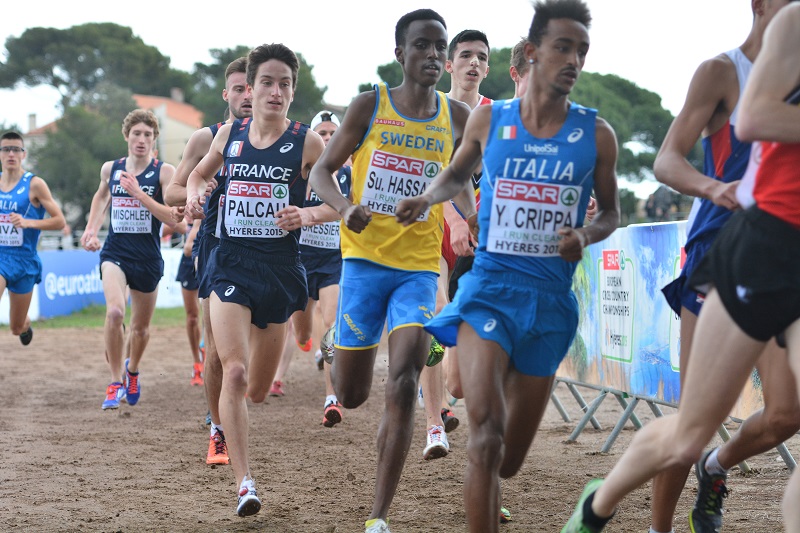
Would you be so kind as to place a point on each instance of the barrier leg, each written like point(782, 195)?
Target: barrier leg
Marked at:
point(634, 419)
point(559, 406)
point(590, 411)
point(582, 403)
point(787, 456)
point(723, 432)
point(656, 409)
point(628, 413)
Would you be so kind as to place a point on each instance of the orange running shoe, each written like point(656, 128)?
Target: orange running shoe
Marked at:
point(217, 449)
point(197, 374)
point(305, 347)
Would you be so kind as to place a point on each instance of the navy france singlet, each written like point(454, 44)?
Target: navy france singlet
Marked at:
point(319, 244)
point(531, 188)
point(18, 240)
point(134, 232)
point(261, 182)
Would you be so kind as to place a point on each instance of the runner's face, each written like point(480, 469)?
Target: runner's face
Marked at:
point(326, 130)
point(11, 160)
point(561, 56)
point(470, 64)
point(273, 91)
point(140, 140)
point(425, 52)
point(238, 95)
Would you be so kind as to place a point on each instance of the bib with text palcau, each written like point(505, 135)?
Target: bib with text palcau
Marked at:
point(250, 209)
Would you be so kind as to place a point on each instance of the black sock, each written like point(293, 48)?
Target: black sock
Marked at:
point(590, 518)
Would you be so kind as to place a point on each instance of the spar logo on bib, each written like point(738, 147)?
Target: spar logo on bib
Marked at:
point(398, 163)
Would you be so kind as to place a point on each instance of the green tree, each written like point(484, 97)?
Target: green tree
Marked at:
point(308, 97)
point(87, 135)
point(208, 81)
point(76, 59)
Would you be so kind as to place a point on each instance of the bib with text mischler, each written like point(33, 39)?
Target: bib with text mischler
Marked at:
point(9, 235)
point(128, 215)
point(392, 178)
point(526, 217)
point(250, 209)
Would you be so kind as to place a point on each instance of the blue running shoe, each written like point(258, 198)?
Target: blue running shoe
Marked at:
point(132, 388)
point(114, 394)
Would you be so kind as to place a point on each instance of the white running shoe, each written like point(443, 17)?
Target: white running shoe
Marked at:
point(326, 345)
point(376, 525)
point(249, 504)
point(437, 444)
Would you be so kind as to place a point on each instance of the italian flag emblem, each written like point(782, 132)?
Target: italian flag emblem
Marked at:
point(507, 132)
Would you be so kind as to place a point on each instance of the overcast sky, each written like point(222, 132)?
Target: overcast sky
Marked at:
point(655, 44)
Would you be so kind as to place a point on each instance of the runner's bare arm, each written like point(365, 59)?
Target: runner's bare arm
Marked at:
point(204, 172)
point(706, 109)
point(455, 177)
point(350, 133)
point(571, 246)
point(40, 194)
point(196, 148)
point(765, 115)
point(97, 212)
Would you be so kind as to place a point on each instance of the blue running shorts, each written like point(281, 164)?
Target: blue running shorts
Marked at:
point(534, 321)
point(21, 271)
point(141, 275)
point(371, 294)
point(186, 275)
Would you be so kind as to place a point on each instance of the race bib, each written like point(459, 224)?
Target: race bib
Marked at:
point(392, 178)
point(325, 235)
point(250, 209)
point(9, 235)
point(526, 217)
point(128, 215)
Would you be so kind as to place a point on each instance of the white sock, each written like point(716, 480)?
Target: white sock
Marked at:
point(712, 464)
point(329, 399)
point(215, 428)
point(654, 531)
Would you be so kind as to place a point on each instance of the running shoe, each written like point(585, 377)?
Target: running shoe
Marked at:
point(305, 347)
point(249, 504)
point(450, 421)
point(114, 394)
point(132, 387)
point(505, 515)
point(436, 353)
point(217, 449)
point(576, 523)
point(420, 398)
point(319, 360)
point(276, 389)
point(197, 374)
point(706, 515)
point(376, 525)
point(326, 345)
point(26, 336)
point(332, 414)
point(208, 418)
point(437, 444)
